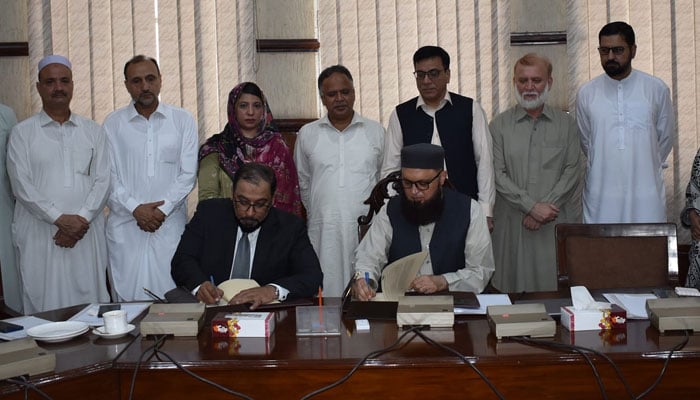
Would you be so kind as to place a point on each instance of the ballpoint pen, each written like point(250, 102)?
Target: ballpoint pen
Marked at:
point(223, 300)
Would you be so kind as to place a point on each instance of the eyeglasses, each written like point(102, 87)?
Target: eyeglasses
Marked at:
point(245, 205)
point(617, 50)
point(432, 74)
point(420, 185)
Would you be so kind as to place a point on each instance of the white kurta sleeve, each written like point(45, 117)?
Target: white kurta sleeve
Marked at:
point(301, 160)
point(97, 197)
point(583, 122)
point(483, 156)
point(371, 253)
point(188, 166)
point(393, 142)
point(665, 125)
point(478, 256)
point(19, 171)
point(119, 194)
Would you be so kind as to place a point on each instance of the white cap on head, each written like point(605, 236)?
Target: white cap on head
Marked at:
point(54, 59)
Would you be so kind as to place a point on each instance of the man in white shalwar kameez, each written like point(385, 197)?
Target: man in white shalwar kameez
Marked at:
point(338, 158)
point(58, 165)
point(8, 263)
point(627, 127)
point(154, 166)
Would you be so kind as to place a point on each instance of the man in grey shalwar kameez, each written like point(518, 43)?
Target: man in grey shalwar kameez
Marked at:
point(537, 167)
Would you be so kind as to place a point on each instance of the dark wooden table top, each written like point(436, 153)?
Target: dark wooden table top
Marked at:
point(325, 357)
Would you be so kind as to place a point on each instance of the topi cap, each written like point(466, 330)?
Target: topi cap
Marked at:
point(423, 156)
point(54, 59)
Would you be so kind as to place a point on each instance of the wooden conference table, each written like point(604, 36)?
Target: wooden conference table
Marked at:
point(288, 367)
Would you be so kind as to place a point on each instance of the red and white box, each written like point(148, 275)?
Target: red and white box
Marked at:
point(242, 324)
point(588, 320)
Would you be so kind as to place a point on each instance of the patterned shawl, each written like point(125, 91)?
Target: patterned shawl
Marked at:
point(268, 147)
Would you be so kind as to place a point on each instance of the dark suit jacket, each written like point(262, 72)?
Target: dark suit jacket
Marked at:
point(283, 253)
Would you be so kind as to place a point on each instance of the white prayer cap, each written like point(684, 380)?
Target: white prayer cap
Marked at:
point(54, 59)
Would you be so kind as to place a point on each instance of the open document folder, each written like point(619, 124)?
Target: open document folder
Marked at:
point(232, 287)
point(396, 279)
point(397, 276)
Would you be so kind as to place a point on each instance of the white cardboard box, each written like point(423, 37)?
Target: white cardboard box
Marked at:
point(580, 320)
point(243, 324)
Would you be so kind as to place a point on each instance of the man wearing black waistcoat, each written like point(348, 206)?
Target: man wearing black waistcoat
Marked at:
point(426, 215)
point(447, 119)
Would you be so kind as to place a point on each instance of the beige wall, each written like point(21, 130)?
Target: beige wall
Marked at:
point(526, 17)
point(288, 79)
point(15, 71)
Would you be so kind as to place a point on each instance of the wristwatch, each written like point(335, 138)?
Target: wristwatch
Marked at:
point(277, 291)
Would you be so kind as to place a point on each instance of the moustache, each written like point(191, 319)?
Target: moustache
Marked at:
point(59, 93)
point(611, 62)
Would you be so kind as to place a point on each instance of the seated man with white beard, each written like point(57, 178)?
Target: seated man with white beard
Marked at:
point(426, 215)
point(536, 157)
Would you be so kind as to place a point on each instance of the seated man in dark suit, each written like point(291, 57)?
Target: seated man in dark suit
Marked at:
point(221, 237)
point(427, 216)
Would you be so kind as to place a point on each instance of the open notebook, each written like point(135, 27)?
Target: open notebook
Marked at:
point(232, 287)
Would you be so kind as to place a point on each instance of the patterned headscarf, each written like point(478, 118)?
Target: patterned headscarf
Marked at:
point(233, 147)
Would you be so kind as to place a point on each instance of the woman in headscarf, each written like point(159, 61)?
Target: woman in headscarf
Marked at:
point(249, 136)
point(690, 218)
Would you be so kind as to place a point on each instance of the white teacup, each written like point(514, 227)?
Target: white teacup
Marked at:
point(115, 321)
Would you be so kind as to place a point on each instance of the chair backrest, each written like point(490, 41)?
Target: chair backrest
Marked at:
point(606, 256)
point(380, 193)
point(375, 201)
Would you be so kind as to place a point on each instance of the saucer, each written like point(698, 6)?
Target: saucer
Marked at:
point(101, 333)
point(56, 332)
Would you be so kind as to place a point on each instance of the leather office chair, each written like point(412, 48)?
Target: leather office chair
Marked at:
point(375, 201)
point(605, 256)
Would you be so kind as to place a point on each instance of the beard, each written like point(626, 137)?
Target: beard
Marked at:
point(248, 225)
point(146, 99)
point(615, 69)
point(422, 213)
point(532, 104)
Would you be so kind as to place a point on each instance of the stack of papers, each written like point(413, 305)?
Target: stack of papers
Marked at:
point(634, 304)
point(485, 300)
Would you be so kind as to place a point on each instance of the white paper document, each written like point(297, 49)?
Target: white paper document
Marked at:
point(26, 322)
point(89, 313)
point(232, 287)
point(634, 304)
point(397, 276)
point(485, 300)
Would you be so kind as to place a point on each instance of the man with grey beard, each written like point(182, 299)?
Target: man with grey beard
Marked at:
point(537, 167)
